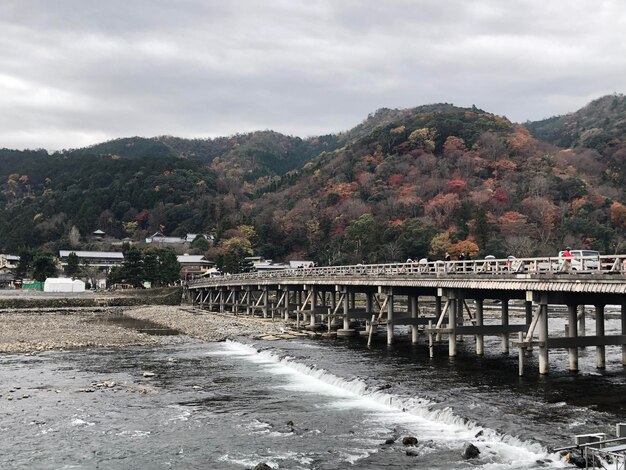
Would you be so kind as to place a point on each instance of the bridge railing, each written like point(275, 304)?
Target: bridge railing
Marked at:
point(547, 266)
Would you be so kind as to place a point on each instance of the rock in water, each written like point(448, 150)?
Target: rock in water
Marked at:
point(470, 451)
point(409, 441)
point(412, 452)
point(262, 466)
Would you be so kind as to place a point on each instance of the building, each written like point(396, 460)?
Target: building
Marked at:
point(192, 266)
point(8, 261)
point(160, 239)
point(100, 259)
point(96, 264)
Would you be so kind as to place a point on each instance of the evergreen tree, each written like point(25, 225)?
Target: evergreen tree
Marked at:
point(73, 268)
point(151, 271)
point(169, 267)
point(24, 265)
point(132, 268)
point(44, 266)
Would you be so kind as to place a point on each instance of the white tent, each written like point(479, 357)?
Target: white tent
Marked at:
point(63, 284)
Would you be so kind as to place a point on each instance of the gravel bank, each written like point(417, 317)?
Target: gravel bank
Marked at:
point(26, 332)
point(201, 324)
point(41, 329)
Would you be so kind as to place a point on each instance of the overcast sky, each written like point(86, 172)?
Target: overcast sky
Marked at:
point(78, 72)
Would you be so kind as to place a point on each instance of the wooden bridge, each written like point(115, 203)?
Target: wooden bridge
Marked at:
point(438, 299)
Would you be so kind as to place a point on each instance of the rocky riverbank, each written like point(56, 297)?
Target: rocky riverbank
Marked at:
point(207, 326)
point(27, 330)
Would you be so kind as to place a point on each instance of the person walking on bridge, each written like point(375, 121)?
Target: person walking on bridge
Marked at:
point(567, 259)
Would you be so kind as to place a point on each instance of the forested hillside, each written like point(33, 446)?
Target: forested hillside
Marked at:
point(403, 183)
point(599, 126)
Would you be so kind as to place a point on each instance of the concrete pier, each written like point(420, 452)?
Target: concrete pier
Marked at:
point(600, 349)
point(413, 299)
point(505, 322)
point(544, 365)
point(390, 317)
point(480, 339)
point(572, 332)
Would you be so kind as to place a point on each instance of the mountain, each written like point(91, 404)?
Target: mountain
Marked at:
point(130, 147)
point(600, 126)
point(247, 157)
point(597, 125)
point(403, 183)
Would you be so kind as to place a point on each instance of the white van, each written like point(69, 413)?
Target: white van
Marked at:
point(581, 260)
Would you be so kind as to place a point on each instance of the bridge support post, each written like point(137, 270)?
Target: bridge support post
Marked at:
point(313, 307)
point(390, 316)
point(413, 300)
point(528, 305)
point(520, 366)
point(248, 296)
point(333, 306)
point(438, 312)
point(286, 304)
point(369, 308)
point(582, 327)
point(460, 305)
point(235, 300)
point(572, 332)
point(505, 322)
point(346, 331)
point(452, 316)
point(624, 333)
point(600, 350)
point(480, 339)
point(265, 300)
point(544, 366)
point(222, 300)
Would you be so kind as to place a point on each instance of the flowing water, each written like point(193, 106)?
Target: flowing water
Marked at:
point(299, 404)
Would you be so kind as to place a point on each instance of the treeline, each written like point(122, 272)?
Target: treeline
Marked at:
point(404, 183)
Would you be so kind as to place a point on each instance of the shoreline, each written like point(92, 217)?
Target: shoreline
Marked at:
point(35, 330)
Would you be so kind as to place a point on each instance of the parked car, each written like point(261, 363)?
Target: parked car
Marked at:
point(581, 260)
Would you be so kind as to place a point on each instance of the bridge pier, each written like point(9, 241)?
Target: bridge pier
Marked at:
point(346, 330)
point(369, 310)
point(438, 311)
point(312, 323)
point(572, 332)
point(505, 322)
point(390, 316)
point(544, 366)
point(480, 339)
point(460, 313)
point(624, 333)
point(600, 350)
point(413, 303)
point(452, 317)
point(582, 327)
point(265, 294)
point(286, 304)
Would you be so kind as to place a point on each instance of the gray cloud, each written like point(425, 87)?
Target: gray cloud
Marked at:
point(76, 72)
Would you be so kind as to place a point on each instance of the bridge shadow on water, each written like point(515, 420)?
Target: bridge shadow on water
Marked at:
point(600, 390)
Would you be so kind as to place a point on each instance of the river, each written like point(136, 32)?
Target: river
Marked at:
point(299, 404)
